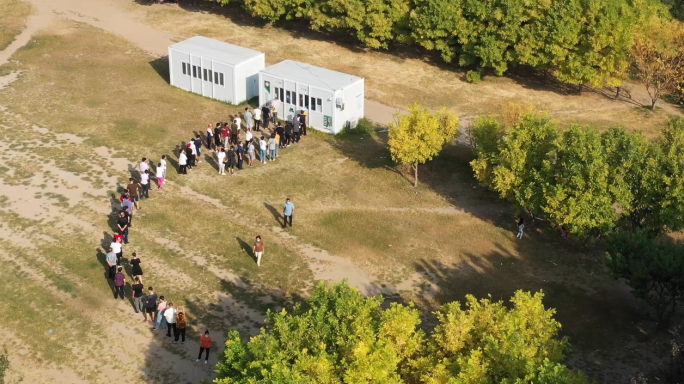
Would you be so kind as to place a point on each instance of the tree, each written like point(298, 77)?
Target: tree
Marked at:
point(657, 58)
point(668, 196)
point(488, 343)
point(418, 136)
point(653, 269)
point(4, 364)
point(485, 138)
point(342, 337)
point(575, 183)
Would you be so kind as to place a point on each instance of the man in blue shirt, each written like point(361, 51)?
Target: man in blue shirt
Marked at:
point(288, 211)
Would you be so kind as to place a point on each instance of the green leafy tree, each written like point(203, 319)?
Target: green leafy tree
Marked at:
point(420, 135)
point(486, 342)
point(275, 10)
point(374, 22)
point(485, 137)
point(4, 364)
point(668, 213)
point(575, 183)
point(342, 337)
point(653, 269)
point(521, 156)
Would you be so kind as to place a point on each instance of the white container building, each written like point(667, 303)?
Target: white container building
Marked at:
point(215, 69)
point(331, 99)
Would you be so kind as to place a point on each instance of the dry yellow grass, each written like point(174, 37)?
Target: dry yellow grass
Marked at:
point(13, 13)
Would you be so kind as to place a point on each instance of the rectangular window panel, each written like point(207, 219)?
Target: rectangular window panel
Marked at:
point(205, 74)
point(282, 91)
point(301, 100)
point(319, 105)
point(183, 65)
point(194, 71)
point(288, 96)
point(306, 101)
point(276, 92)
point(210, 76)
point(216, 78)
point(294, 98)
point(221, 78)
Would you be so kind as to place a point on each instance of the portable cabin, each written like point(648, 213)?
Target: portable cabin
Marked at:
point(332, 100)
point(215, 69)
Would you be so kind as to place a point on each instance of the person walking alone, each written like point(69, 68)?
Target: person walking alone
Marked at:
point(119, 283)
point(258, 250)
point(170, 315)
point(521, 228)
point(221, 160)
point(137, 289)
point(111, 262)
point(288, 212)
point(257, 119)
point(182, 163)
point(205, 344)
point(181, 324)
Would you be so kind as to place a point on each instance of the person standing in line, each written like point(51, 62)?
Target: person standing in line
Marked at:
point(257, 119)
point(277, 137)
point(198, 147)
point(240, 156)
point(182, 163)
point(258, 249)
point(137, 289)
point(521, 228)
point(288, 212)
point(210, 136)
point(265, 115)
point(288, 135)
point(274, 113)
point(145, 184)
point(143, 165)
point(118, 237)
point(163, 164)
point(170, 315)
point(161, 320)
point(262, 150)
point(122, 223)
point(218, 138)
point(119, 283)
point(280, 130)
point(192, 155)
point(205, 344)
point(248, 118)
point(133, 189)
point(160, 176)
point(296, 132)
point(181, 324)
point(136, 270)
point(225, 134)
point(234, 133)
point(238, 121)
point(221, 160)
point(231, 160)
point(295, 120)
point(272, 145)
point(151, 305)
point(250, 153)
point(302, 121)
point(111, 262)
point(248, 136)
point(117, 249)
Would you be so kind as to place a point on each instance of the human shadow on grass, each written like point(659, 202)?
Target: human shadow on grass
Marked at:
point(246, 248)
point(102, 258)
point(276, 214)
point(211, 161)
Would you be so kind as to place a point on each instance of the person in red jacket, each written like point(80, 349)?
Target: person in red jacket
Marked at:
point(205, 344)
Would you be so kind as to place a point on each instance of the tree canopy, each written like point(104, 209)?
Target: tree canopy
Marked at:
point(340, 336)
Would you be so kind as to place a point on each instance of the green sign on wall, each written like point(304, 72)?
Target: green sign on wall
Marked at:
point(327, 121)
point(267, 85)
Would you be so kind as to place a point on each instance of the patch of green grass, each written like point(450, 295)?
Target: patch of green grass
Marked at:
point(12, 16)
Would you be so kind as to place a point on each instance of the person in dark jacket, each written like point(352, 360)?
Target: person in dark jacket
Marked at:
point(288, 134)
point(280, 130)
point(302, 122)
point(266, 115)
point(231, 160)
point(240, 155)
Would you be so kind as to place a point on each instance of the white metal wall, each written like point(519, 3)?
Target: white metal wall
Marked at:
point(223, 92)
point(247, 79)
point(176, 63)
point(353, 96)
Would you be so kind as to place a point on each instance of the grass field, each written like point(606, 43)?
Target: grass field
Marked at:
point(89, 105)
point(13, 13)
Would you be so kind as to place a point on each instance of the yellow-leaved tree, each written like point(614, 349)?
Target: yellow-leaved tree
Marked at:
point(419, 135)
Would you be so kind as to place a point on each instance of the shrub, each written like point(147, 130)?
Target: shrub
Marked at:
point(473, 77)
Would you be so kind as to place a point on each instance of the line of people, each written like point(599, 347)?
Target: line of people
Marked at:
point(162, 314)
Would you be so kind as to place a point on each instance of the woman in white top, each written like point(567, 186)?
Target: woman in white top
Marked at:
point(183, 163)
point(257, 118)
point(160, 176)
point(262, 149)
point(210, 136)
point(248, 135)
point(220, 158)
